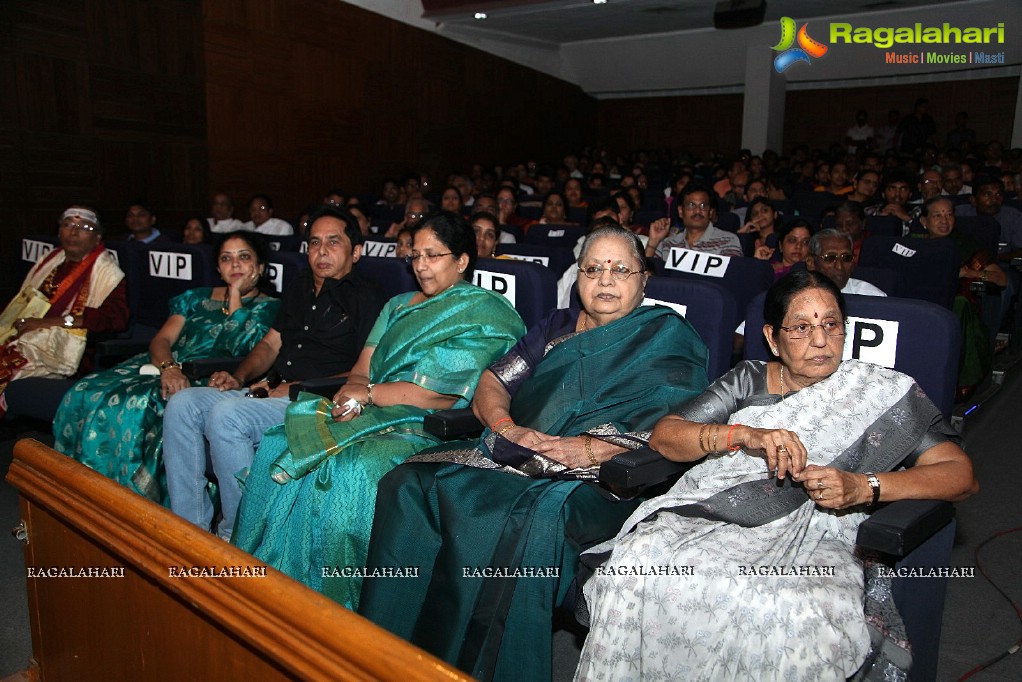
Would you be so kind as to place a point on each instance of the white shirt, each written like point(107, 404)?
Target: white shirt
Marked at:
point(274, 226)
point(863, 288)
point(229, 225)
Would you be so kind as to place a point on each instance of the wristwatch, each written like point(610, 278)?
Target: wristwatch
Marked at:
point(874, 484)
point(69, 321)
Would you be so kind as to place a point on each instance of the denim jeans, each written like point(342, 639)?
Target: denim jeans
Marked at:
point(229, 426)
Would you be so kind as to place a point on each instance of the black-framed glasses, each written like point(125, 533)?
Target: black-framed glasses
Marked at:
point(831, 257)
point(427, 257)
point(804, 329)
point(618, 272)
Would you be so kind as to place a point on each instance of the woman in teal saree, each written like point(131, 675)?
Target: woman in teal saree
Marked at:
point(308, 499)
point(112, 421)
point(495, 527)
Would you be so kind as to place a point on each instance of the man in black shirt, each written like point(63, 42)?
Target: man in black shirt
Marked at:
point(320, 330)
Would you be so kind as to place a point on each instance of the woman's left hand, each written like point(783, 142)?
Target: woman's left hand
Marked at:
point(172, 380)
point(833, 488)
point(356, 392)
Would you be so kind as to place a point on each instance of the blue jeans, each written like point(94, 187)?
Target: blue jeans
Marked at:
point(232, 425)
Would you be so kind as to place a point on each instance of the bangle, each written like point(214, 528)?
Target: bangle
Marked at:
point(169, 364)
point(589, 450)
point(369, 394)
point(716, 432)
point(506, 429)
point(735, 447)
point(702, 430)
point(496, 424)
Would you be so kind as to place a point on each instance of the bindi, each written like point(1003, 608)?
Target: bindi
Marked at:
point(816, 314)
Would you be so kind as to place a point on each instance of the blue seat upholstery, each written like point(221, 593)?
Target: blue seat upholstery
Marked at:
point(983, 228)
point(557, 258)
point(391, 274)
point(554, 235)
point(284, 269)
point(291, 242)
point(743, 277)
point(882, 278)
point(927, 268)
point(530, 287)
point(726, 220)
point(166, 270)
point(883, 226)
point(708, 306)
point(812, 205)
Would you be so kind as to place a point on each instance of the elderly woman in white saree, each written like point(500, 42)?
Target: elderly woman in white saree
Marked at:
point(746, 568)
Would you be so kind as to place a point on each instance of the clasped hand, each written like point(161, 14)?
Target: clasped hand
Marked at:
point(568, 450)
point(342, 410)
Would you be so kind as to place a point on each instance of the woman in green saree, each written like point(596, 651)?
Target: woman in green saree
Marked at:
point(495, 527)
point(112, 421)
point(308, 499)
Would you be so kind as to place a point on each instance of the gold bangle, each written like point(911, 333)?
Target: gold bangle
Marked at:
point(506, 429)
point(702, 431)
point(369, 394)
point(589, 450)
point(716, 432)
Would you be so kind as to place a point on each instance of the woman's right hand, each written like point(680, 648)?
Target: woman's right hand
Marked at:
point(526, 437)
point(172, 380)
point(764, 253)
point(748, 227)
point(781, 448)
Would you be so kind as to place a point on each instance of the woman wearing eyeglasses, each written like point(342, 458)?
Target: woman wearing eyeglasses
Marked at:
point(791, 455)
point(72, 290)
point(793, 244)
point(582, 386)
point(308, 500)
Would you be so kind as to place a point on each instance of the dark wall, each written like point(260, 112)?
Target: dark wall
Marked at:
point(103, 100)
point(308, 94)
point(696, 124)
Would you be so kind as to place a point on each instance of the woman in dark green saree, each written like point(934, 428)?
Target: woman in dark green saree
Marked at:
point(495, 527)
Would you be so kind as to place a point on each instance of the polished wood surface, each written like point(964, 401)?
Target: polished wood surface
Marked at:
point(151, 625)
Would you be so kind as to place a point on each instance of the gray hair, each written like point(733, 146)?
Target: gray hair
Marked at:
point(634, 244)
point(816, 245)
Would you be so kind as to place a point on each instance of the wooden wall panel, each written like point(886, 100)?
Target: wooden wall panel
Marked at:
point(309, 94)
point(105, 102)
point(695, 124)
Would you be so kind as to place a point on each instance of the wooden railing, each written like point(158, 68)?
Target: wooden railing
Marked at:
point(129, 613)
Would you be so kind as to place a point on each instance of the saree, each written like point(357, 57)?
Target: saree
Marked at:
point(308, 500)
point(733, 574)
point(112, 421)
point(86, 285)
point(496, 550)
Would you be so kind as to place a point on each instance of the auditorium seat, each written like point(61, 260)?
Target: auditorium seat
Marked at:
point(557, 258)
point(393, 275)
point(927, 268)
point(554, 235)
point(531, 288)
point(743, 277)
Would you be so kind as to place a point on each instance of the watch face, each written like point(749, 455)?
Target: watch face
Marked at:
point(69, 320)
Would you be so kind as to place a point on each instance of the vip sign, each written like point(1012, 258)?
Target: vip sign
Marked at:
point(871, 340)
point(379, 249)
point(32, 250)
point(496, 281)
point(697, 262)
point(542, 260)
point(169, 265)
point(275, 273)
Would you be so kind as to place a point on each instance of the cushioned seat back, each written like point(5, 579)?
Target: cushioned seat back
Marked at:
point(554, 235)
point(392, 275)
point(884, 225)
point(285, 268)
point(167, 270)
point(557, 258)
point(927, 268)
point(531, 287)
point(743, 277)
point(983, 228)
point(708, 306)
point(918, 338)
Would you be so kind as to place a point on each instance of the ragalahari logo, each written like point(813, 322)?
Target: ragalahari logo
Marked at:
point(807, 47)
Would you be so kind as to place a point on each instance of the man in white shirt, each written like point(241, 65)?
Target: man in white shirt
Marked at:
point(860, 135)
point(830, 254)
point(222, 211)
point(260, 210)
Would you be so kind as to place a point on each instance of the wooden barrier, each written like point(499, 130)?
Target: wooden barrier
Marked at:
point(149, 624)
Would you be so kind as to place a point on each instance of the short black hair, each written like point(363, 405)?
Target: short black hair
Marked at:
point(455, 233)
point(351, 228)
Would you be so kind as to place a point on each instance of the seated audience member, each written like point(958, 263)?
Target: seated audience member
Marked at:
point(929, 186)
point(523, 496)
point(553, 211)
point(601, 214)
point(573, 193)
point(196, 231)
point(466, 188)
point(831, 253)
point(451, 201)
point(76, 292)
point(805, 416)
point(838, 184)
point(323, 322)
point(260, 210)
point(988, 200)
point(860, 136)
point(487, 233)
point(310, 492)
point(335, 197)
point(850, 218)
point(756, 188)
point(764, 222)
point(141, 223)
point(112, 421)
point(865, 187)
point(411, 186)
point(793, 244)
point(733, 197)
point(726, 183)
point(404, 242)
point(821, 176)
point(390, 195)
point(487, 203)
point(222, 211)
point(895, 199)
point(695, 204)
point(951, 180)
point(415, 211)
point(360, 216)
point(938, 218)
point(626, 212)
point(507, 202)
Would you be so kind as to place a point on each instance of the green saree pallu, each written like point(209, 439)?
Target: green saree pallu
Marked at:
point(112, 421)
point(495, 551)
point(308, 499)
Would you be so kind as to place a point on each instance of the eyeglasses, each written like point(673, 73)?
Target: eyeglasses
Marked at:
point(427, 257)
point(803, 330)
point(416, 215)
point(831, 257)
point(693, 206)
point(84, 227)
point(618, 272)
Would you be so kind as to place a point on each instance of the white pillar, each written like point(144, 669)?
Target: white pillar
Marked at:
point(763, 106)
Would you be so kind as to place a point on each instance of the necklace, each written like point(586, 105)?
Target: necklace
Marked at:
point(226, 309)
point(585, 323)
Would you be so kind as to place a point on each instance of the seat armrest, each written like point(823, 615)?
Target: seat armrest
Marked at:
point(203, 367)
point(452, 424)
point(899, 527)
point(324, 386)
point(640, 468)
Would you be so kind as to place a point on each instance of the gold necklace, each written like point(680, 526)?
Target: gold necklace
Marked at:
point(226, 309)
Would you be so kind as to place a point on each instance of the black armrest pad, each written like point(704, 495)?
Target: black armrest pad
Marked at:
point(452, 424)
point(640, 468)
point(203, 367)
point(900, 527)
point(325, 386)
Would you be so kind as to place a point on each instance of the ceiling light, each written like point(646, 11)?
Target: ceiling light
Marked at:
point(480, 15)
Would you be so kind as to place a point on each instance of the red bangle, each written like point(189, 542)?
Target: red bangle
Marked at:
point(732, 448)
point(497, 423)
